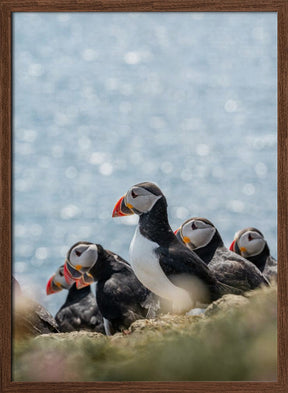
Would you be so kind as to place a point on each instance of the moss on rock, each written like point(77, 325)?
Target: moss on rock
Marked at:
point(234, 340)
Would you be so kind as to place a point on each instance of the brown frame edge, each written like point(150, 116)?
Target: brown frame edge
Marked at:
point(7, 7)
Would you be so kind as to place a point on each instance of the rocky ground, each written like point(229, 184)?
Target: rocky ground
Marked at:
point(234, 340)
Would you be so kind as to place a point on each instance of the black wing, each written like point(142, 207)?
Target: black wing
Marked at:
point(234, 270)
point(178, 259)
point(122, 299)
point(117, 257)
point(182, 266)
point(80, 311)
point(271, 261)
point(270, 269)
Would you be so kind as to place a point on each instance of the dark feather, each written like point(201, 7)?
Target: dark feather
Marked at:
point(121, 297)
point(230, 268)
point(177, 260)
point(80, 312)
point(236, 271)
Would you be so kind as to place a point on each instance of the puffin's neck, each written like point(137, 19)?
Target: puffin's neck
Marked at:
point(75, 294)
point(260, 259)
point(101, 267)
point(154, 225)
point(207, 252)
point(105, 265)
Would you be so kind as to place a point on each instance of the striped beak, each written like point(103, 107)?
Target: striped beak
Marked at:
point(178, 234)
point(85, 280)
point(70, 273)
point(232, 246)
point(120, 209)
point(52, 286)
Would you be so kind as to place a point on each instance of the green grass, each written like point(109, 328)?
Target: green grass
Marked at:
point(234, 342)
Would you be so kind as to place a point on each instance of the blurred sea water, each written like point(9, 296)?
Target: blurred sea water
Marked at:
point(102, 101)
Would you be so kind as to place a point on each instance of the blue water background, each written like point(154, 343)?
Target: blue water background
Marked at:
point(106, 100)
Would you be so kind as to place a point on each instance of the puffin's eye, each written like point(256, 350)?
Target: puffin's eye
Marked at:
point(193, 226)
point(134, 195)
point(78, 253)
point(61, 273)
point(250, 237)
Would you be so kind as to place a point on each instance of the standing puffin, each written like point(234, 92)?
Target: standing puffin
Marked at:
point(80, 310)
point(121, 298)
point(159, 260)
point(201, 236)
point(251, 244)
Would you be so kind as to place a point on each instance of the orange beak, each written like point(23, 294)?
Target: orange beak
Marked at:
point(85, 280)
point(82, 283)
point(120, 209)
point(70, 273)
point(51, 287)
point(175, 232)
point(231, 248)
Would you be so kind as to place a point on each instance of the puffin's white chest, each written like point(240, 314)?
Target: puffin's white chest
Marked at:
point(146, 266)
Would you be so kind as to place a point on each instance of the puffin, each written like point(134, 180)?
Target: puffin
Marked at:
point(121, 297)
point(57, 282)
point(29, 317)
point(251, 244)
point(80, 310)
point(201, 236)
point(159, 260)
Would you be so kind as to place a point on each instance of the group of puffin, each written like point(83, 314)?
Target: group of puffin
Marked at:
point(168, 271)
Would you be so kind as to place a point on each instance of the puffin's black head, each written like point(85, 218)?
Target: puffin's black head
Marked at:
point(80, 258)
point(139, 199)
point(197, 232)
point(248, 242)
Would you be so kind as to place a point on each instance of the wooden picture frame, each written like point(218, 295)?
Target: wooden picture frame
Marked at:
point(7, 8)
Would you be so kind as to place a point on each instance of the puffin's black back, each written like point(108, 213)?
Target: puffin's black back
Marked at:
point(80, 312)
point(237, 271)
point(121, 297)
point(230, 268)
point(270, 269)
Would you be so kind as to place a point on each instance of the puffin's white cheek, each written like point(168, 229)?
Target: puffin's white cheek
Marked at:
point(85, 261)
point(198, 237)
point(139, 203)
point(61, 280)
point(255, 247)
point(88, 258)
point(145, 203)
point(188, 235)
